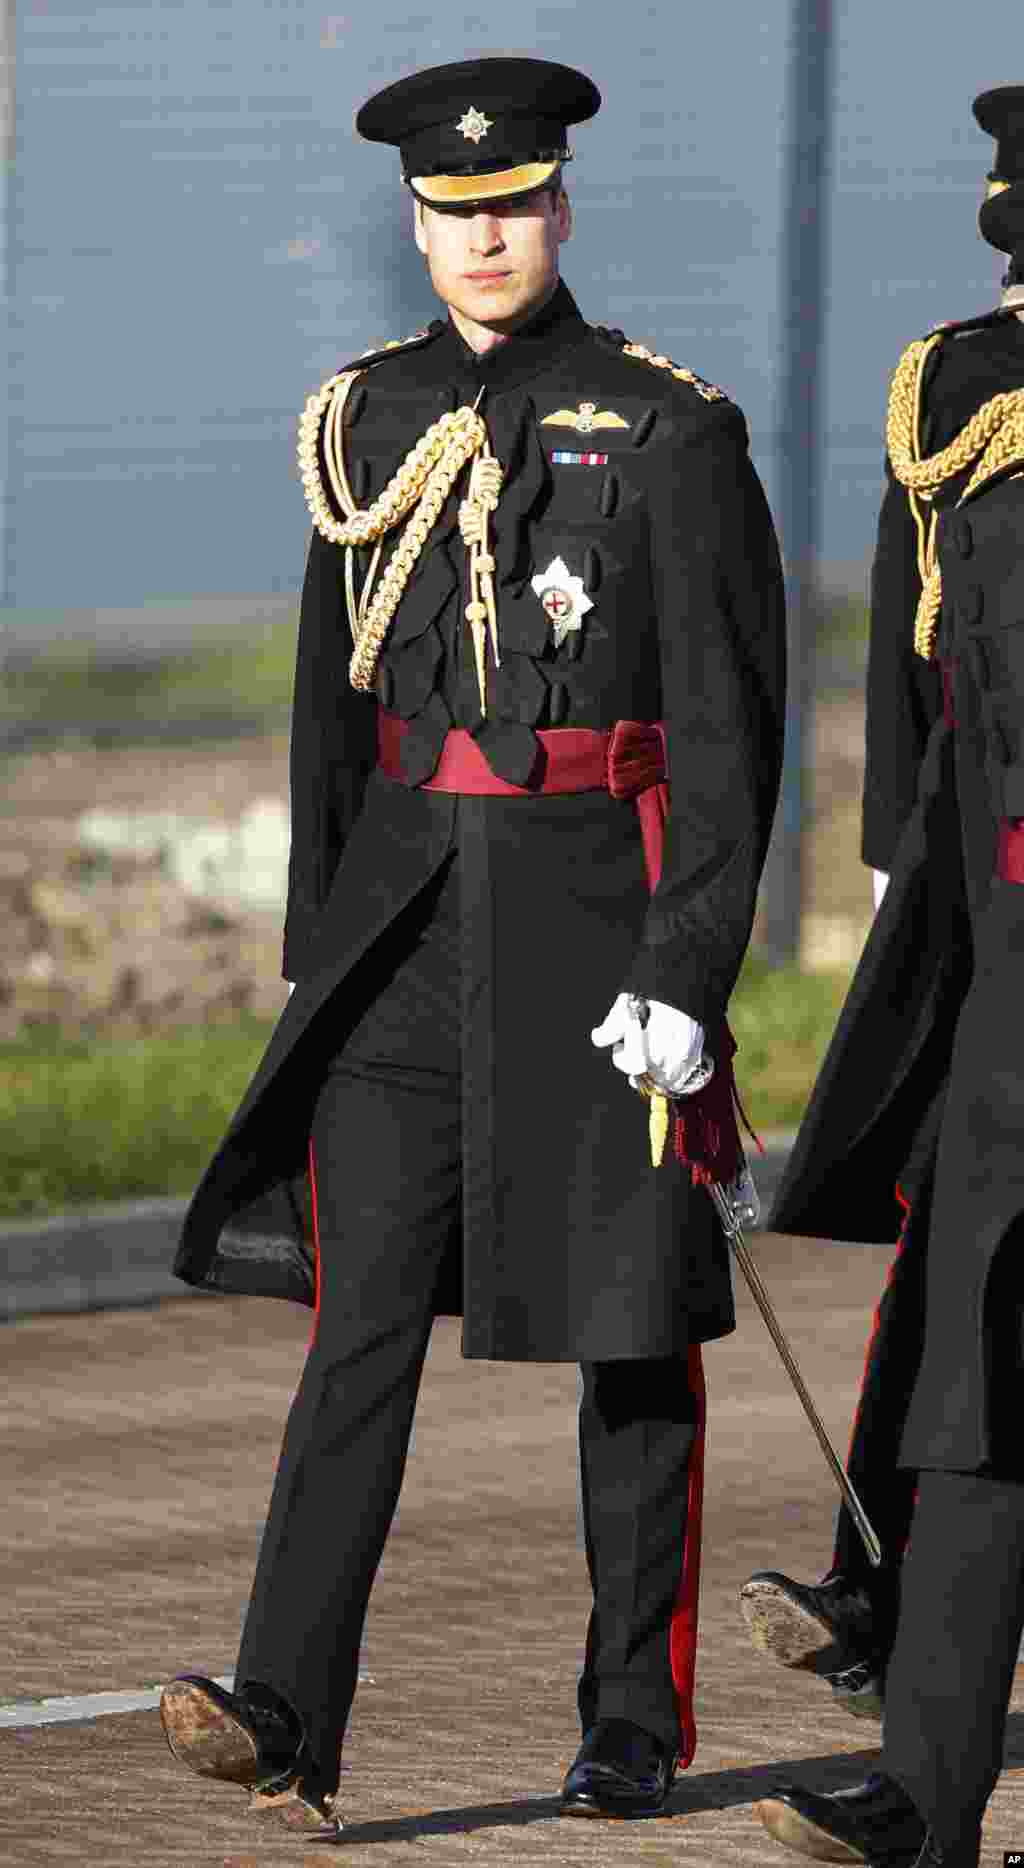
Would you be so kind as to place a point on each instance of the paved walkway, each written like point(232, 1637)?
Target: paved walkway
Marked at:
point(135, 1461)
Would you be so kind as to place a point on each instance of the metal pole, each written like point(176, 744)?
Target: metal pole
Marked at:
point(7, 151)
point(798, 425)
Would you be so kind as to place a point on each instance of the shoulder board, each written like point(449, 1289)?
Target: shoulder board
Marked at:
point(962, 327)
point(709, 392)
point(317, 404)
point(378, 352)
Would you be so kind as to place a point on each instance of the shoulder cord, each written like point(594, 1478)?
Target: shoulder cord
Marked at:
point(995, 432)
point(424, 482)
point(708, 391)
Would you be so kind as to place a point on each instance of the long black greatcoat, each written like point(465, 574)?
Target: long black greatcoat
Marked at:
point(929, 1043)
point(572, 1247)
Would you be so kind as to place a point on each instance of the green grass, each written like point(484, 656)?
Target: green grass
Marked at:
point(242, 674)
point(89, 1121)
point(782, 1021)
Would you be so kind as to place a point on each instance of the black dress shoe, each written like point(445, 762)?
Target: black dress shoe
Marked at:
point(619, 1770)
point(252, 1738)
point(834, 1629)
point(875, 1822)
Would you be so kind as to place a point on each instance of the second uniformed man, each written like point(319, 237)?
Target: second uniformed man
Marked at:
point(927, 1057)
point(542, 587)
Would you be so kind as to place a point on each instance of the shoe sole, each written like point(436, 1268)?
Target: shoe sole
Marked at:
point(294, 1811)
point(202, 1734)
point(785, 1629)
point(794, 1831)
point(793, 1635)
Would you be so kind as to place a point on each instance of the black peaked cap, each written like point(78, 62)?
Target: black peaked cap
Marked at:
point(1001, 218)
point(482, 129)
point(1001, 114)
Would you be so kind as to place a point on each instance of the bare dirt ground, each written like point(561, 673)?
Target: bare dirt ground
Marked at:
point(121, 948)
point(135, 1465)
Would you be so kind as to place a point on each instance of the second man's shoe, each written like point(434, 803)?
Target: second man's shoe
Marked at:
point(831, 1629)
point(619, 1770)
point(875, 1822)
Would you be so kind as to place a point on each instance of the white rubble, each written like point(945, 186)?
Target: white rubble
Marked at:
point(232, 865)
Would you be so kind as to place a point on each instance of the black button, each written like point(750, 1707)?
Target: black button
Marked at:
point(591, 571)
point(609, 495)
point(360, 478)
point(971, 605)
point(385, 686)
point(963, 536)
point(558, 703)
point(642, 427)
point(980, 664)
point(355, 405)
point(573, 644)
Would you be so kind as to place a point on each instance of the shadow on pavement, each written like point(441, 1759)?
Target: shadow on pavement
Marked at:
point(715, 1790)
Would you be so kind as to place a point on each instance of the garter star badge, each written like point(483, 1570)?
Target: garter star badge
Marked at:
point(584, 419)
point(474, 125)
point(562, 598)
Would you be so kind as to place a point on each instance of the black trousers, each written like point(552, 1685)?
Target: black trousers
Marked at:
point(951, 1672)
point(962, 1601)
point(387, 1145)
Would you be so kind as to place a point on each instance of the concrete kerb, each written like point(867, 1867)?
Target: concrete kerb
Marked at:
point(112, 1257)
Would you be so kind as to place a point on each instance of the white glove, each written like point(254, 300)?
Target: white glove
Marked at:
point(665, 1052)
point(879, 884)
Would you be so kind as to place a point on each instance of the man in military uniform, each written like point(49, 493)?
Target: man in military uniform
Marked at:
point(542, 580)
point(926, 1067)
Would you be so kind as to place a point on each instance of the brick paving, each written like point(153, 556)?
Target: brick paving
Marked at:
point(135, 1462)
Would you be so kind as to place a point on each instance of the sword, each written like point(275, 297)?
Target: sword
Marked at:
point(736, 1206)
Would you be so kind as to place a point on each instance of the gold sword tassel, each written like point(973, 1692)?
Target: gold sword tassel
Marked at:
point(657, 1126)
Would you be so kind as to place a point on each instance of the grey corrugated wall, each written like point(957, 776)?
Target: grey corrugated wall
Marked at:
point(198, 238)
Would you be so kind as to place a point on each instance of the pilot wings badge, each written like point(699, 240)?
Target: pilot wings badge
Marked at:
point(562, 598)
point(584, 419)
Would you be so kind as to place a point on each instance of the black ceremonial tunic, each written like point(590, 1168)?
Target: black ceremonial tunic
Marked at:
point(932, 1025)
point(572, 1247)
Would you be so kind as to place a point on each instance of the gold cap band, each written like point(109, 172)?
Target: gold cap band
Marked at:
point(463, 190)
point(995, 187)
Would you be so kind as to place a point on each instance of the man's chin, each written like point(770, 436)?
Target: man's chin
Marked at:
point(502, 310)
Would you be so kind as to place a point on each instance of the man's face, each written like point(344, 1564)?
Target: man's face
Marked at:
point(495, 264)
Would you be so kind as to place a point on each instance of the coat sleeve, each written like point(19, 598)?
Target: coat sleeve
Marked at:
point(904, 692)
point(721, 623)
point(333, 750)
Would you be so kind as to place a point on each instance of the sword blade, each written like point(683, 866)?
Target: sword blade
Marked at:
point(741, 1253)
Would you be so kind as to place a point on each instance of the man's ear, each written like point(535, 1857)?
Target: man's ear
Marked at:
point(563, 213)
point(417, 225)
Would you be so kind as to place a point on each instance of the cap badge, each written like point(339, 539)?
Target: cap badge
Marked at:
point(474, 125)
point(584, 419)
point(562, 598)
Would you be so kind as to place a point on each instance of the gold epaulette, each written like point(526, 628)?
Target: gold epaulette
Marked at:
point(995, 432)
point(708, 391)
